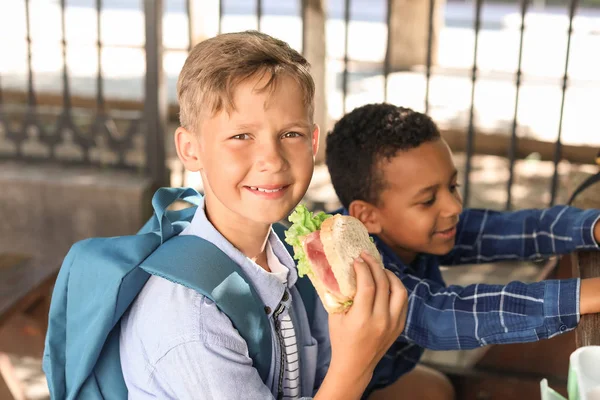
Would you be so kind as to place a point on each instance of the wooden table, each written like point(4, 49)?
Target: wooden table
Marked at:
point(25, 285)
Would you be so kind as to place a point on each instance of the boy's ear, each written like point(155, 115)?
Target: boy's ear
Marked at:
point(315, 139)
point(367, 214)
point(188, 149)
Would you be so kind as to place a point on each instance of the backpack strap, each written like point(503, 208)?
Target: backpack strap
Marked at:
point(304, 286)
point(168, 223)
point(199, 265)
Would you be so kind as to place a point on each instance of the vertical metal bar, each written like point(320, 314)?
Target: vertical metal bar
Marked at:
point(471, 131)
point(155, 106)
point(66, 89)
point(345, 75)
point(31, 100)
point(304, 7)
point(512, 150)
point(3, 123)
point(429, 49)
point(1, 94)
point(221, 16)
point(558, 148)
point(386, 61)
point(188, 9)
point(258, 14)
point(100, 106)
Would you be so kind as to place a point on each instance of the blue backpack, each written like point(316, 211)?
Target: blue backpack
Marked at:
point(101, 277)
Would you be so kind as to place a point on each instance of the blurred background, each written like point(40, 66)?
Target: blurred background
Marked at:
point(88, 109)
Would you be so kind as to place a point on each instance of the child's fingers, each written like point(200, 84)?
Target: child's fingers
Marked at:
point(365, 288)
point(382, 285)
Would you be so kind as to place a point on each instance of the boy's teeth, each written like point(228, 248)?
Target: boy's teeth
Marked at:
point(265, 190)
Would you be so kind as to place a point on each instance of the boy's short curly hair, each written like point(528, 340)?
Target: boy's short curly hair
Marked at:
point(215, 67)
point(366, 137)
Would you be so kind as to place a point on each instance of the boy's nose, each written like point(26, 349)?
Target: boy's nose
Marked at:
point(271, 159)
point(453, 205)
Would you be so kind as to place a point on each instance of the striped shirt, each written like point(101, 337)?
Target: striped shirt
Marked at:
point(291, 376)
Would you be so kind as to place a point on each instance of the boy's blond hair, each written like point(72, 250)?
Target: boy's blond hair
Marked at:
point(215, 67)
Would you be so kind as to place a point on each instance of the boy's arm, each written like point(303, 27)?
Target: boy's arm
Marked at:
point(486, 235)
point(590, 296)
point(454, 317)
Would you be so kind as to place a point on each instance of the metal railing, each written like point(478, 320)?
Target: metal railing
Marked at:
point(134, 140)
point(105, 138)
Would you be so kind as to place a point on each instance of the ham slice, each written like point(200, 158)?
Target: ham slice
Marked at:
point(320, 266)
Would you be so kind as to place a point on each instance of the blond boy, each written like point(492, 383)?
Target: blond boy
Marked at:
point(247, 127)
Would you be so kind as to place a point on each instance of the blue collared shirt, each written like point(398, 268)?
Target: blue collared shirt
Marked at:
point(444, 317)
point(176, 344)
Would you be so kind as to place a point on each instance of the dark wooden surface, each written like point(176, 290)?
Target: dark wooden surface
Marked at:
point(586, 264)
point(22, 283)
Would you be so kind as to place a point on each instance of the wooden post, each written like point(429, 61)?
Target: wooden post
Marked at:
point(409, 30)
point(155, 105)
point(314, 49)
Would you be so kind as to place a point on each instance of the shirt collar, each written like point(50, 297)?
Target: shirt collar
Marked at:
point(268, 287)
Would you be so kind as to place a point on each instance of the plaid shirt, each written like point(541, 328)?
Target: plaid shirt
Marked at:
point(444, 317)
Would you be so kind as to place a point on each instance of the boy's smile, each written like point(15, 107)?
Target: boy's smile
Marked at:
point(420, 204)
point(268, 191)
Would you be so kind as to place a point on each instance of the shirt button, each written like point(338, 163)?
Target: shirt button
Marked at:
point(267, 310)
point(286, 296)
point(563, 328)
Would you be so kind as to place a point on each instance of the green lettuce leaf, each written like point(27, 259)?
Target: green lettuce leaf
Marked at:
point(304, 223)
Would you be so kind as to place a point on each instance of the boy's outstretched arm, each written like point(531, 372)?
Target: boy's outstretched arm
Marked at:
point(360, 337)
point(455, 317)
point(486, 235)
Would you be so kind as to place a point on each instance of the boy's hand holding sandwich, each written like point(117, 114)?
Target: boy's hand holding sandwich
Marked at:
point(366, 303)
point(326, 247)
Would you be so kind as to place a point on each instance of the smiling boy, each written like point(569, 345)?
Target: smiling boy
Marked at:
point(391, 169)
point(247, 127)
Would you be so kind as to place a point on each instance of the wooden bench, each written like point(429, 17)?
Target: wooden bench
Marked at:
point(25, 286)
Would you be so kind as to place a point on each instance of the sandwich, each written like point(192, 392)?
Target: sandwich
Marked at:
point(325, 247)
